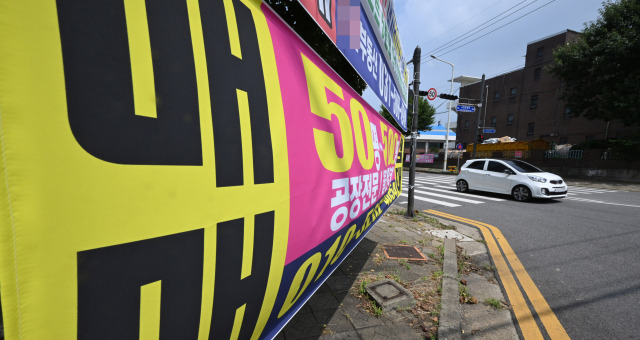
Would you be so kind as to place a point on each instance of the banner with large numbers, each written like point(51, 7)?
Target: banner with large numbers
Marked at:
point(376, 53)
point(175, 169)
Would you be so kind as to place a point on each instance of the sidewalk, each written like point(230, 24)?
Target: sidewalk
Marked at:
point(444, 308)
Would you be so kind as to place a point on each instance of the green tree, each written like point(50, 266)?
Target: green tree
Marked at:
point(302, 23)
point(601, 70)
point(426, 115)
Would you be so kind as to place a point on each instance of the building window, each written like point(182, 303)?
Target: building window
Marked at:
point(563, 140)
point(567, 113)
point(510, 119)
point(534, 101)
point(513, 92)
point(466, 125)
point(496, 95)
point(530, 128)
point(494, 120)
point(536, 73)
point(539, 52)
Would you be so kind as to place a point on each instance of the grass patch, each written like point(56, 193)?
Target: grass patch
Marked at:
point(495, 303)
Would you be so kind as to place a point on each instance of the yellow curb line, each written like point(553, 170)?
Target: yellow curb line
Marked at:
point(522, 312)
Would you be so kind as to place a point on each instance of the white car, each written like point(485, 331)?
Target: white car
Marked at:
point(512, 177)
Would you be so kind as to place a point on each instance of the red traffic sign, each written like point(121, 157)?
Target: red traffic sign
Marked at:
point(459, 146)
point(432, 94)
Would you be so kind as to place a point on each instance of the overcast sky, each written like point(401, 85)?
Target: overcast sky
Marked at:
point(432, 24)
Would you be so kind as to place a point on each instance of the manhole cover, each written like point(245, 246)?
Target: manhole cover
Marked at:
point(449, 234)
point(389, 294)
point(397, 251)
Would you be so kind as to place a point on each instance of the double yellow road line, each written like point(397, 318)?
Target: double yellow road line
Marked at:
point(502, 260)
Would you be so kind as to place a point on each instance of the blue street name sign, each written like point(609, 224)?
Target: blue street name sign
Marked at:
point(489, 130)
point(465, 108)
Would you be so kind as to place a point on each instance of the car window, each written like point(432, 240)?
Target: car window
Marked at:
point(479, 165)
point(496, 166)
point(523, 166)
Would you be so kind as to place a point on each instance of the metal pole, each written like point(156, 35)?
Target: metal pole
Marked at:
point(475, 141)
point(414, 129)
point(446, 140)
point(484, 120)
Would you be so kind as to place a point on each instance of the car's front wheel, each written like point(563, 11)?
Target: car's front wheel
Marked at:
point(462, 186)
point(521, 193)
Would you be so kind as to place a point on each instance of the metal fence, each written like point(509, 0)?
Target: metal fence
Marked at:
point(563, 154)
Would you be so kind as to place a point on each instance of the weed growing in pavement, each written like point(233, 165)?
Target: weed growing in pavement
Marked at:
point(395, 278)
point(431, 256)
point(464, 291)
point(377, 310)
point(461, 265)
point(363, 287)
point(404, 263)
point(436, 223)
point(403, 242)
point(488, 267)
point(482, 241)
point(441, 252)
point(465, 296)
point(495, 303)
point(437, 274)
point(424, 241)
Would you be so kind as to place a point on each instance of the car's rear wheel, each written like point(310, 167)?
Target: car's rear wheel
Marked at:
point(462, 186)
point(521, 193)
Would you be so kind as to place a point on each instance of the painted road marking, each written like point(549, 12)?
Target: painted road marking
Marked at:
point(495, 242)
point(600, 202)
point(452, 205)
point(588, 191)
point(451, 191)
point(448, 197)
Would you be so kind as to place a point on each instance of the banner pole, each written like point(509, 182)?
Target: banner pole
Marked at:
point(414, 129)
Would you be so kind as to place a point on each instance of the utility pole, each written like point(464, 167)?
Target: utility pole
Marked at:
point(484, 120)
point(414, 128)
point(475, 141)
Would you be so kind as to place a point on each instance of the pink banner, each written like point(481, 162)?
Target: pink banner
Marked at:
point(341, 151)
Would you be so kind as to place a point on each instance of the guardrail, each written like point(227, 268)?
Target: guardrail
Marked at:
point(563, 154)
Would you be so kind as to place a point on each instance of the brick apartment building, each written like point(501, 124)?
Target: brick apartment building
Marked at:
point(525, 103)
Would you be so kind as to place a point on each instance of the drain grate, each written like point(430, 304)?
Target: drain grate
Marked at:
point(397, 251)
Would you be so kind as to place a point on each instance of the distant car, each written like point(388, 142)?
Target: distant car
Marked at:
point(512, 177)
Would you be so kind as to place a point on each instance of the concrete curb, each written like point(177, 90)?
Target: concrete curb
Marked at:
point(450, 314)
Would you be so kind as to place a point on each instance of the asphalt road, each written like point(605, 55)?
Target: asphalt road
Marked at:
point(582, 252)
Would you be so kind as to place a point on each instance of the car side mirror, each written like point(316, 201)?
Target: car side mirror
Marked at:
point(509, 172)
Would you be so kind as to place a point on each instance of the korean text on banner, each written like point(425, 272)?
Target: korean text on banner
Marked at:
point(178, 169)
point(378, 58)
point(381, 15)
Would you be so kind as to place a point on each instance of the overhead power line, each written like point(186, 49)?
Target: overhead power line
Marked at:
point(454, 27)
point(466, 34)
point(518, 18)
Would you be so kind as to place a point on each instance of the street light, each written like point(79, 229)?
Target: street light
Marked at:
point(446, 144)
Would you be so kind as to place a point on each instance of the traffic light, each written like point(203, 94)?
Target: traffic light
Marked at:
point(480, 139)
point(447, 96)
